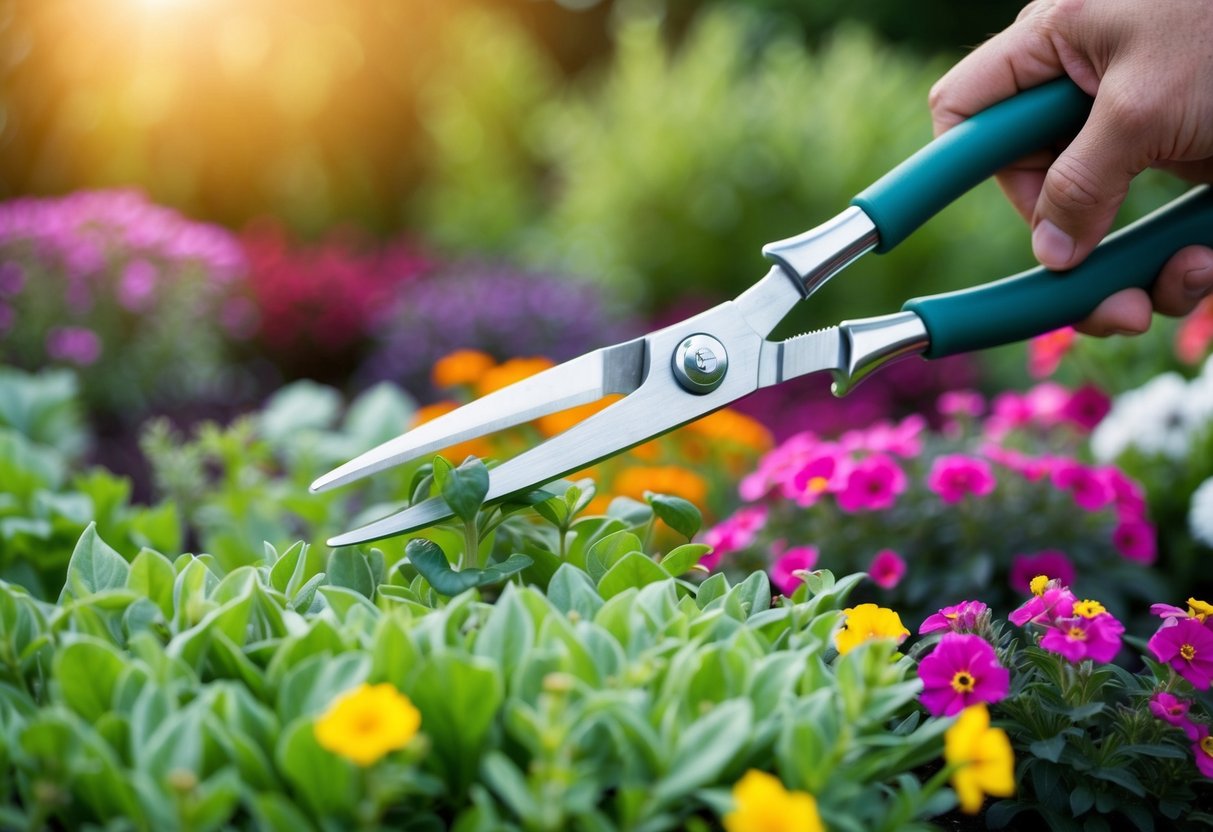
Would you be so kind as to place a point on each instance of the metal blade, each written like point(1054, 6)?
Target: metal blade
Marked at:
point(616, 369)
point(825, 349)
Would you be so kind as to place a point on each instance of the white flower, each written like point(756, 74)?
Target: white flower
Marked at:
point(1200, 513)
point(1156, 418)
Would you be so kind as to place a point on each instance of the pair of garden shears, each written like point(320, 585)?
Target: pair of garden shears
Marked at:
point(682, 372)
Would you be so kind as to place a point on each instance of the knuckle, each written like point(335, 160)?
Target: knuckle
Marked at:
point(1070, 182)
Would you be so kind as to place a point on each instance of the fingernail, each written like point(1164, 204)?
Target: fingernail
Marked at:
point(1198, 282)
point(1052, 246)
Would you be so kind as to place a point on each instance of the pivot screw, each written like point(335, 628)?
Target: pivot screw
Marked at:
point(700, 363)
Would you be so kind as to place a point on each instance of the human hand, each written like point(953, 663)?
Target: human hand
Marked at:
point(1149, 67)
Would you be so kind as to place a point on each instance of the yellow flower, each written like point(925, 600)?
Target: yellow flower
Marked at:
point(866, 622)
point(662, 479)
point(503, 375)
point(367, 722)
point(764, 805)
point(1039, 584)
point(1089, 608)
point(1200, 610)
point(984, 755)
point(462, 367)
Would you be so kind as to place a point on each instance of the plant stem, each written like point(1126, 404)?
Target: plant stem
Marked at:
point(471, 546)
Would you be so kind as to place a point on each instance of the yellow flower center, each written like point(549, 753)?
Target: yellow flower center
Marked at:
point(818, 485)
point(1077, 634)
point(1188, 652)
point(1206, 745)
point(1089, 609)
point(963, 682)
point(1039, 584)
point(366, 723)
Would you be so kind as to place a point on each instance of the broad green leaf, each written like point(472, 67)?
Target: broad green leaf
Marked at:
point(633, 570)
point(152, 576)
point(508, 633)
point(429, 560)
point(464, 487)
point(349, 568)
point(378, 414)
point(712, 589)
point(504, 778)
point(394, 657)
point(571, 589)
point(158, 527)
point(327, 783)
point(680, 515)
point(610, 550)
point(298, 407)
point(278, 813)
point(286, 575)
point(703, 750)
point(94, 566)
point(214, 802)
point(680, 560)
point(85, 673)
point(312, 685)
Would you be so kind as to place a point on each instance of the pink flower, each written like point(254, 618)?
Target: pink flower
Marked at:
point(137, 285)
point(887, 569)
point(953, 476)
point(1187, 645)
point(1172, 710)
point(1136, 540)
point(903, 439)
point(1029, 467)
point(1047, 403)
point(1045, 352)
point(1089, 490)
point(1127, 493)
point(872, 485)
point(1202, 749)
point(1010, 410)
point(1051, 563)
point(962, 617)
point(795, 559)
point(735, 533)
point(73, 344)
point(961, 403)
point(1054, 603)
point(1086, 407)
point(1078, 637)
point(961, 670)
point(819, 474)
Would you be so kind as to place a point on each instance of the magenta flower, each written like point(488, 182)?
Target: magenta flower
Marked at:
point(1174, 711)
point(887, 569)
point(1187, 645)
point(961, 403)
point(137, 286)
point(74, 344)
point(1090, 491)
point(903, 439)
point(1029, 467)
point(734, 533)
point(1086, 407)
point(795, 559)
point(1202, 749)
point(961, 670)
point(1127, 493)
point(1054, 603)
point(1136, 540)
point(872, 485)
point(962, 617)
point(1051, 563)
point(818, 475)
point(953, 476)
point(1079, 637)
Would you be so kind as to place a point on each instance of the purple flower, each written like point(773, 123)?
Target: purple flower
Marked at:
point(961, 403)
point(1086, 407)
point(961, 670)
point(962, 617)
point(137, 285)
point(1187, 645)
point(1172, 710)
point(796, 559)
point(887, 569)
point(1051, 563)
point(1202, 749)
point(1089, 490)
point(73, 344)
point(734, 533)
point(1136, 540)
point(953, 476)
point(1080, 637)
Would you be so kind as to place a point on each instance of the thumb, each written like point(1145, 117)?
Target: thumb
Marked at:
point(1085, 187)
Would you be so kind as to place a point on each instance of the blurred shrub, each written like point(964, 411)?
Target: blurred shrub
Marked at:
point(316, 304)
point(133, 293)
point(491, 307)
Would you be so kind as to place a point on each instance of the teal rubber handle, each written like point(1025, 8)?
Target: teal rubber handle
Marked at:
point(917, 189)
point(1039, 300)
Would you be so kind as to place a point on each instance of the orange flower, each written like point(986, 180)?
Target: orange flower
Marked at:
point(503, 375)
point(648, 451)
point(561, 421)
point(462, 367)
point(479, 447)
point(664, 479)
point(730, 426)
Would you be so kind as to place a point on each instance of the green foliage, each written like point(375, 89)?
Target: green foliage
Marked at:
point(176, 694)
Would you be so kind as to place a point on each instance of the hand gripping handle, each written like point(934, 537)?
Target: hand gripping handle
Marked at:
point(1039, 300)
point(917, 189)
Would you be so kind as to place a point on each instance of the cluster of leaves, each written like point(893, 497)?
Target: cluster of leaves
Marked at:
point(170, 693)
point(46, 501)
